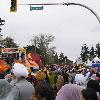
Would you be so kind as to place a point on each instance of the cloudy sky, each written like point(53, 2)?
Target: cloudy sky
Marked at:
point(72, 26)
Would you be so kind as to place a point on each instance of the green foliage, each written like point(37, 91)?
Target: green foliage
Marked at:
point(91, 53)
point(84, 53)
point(31, 48)
point(61, 58)
point(42, 42)
point(8, 42)
point(98, 50)
point(56, 58)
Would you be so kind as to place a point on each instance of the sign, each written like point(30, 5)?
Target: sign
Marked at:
point(36, 8)
point(9, 50)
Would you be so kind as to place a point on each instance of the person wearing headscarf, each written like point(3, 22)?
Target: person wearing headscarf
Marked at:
point(60, 82)
point(40, 77)
point(69, 92)
point(22, 89)
point(5, 90)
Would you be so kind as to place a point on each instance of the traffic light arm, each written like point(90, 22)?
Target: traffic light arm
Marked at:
point(93, 12)
point(82, 5)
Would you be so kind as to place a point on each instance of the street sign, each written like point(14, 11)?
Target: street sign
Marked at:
point(36, 8)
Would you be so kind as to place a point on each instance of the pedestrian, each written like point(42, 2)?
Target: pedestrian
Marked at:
point(22, 89)
point(69, 92)
point(5, 90)
point(60, 82)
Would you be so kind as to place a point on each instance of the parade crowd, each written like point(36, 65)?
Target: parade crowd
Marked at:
point(52, 82)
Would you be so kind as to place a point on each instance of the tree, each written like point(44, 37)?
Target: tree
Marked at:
point(31, 48)
point(56, 60)
point(84, 53)
point(61, 58)
point(98, 50)
point(8, 42)
point(91, 53)
point(42, 42)
point(66, 60)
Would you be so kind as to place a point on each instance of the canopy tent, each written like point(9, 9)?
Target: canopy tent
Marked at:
point(96, 65)
point(96, 60)
point(89, 63)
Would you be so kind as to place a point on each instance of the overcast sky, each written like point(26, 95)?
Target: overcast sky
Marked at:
point(72, 26)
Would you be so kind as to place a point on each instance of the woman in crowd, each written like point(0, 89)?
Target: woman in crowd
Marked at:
point(69, 92)
point(40, 77)
point(60, 81)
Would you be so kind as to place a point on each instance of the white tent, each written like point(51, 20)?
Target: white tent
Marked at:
point(89, 63)
point(96, 60)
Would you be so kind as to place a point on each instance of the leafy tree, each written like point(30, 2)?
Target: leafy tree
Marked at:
point(8, 42)
point(31, 48)
point(61, 58)
point(56, 60)
point(91, 53)
point(98, 50)
point(66, 60)
point(42, 42)
point(84, 53)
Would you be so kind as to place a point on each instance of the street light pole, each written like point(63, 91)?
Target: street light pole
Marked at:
point(2, 22)
point(79, 4)
point(82, 5)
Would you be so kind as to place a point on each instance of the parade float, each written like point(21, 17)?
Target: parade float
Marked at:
point(8, 56)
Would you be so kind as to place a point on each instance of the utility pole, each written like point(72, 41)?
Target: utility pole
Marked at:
point(68, 4)
point(2, 22)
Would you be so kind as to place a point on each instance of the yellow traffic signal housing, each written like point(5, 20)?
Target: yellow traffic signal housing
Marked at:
point(13, 7)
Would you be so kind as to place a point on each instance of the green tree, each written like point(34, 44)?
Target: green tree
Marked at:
point(84, 53)
point(66, 60)
point(98, 50)
point(56, 60)
point(61, 58)
point(42, 42)
point(91, 53)
point(50, 56)
point(8, 42)
point(31, 48)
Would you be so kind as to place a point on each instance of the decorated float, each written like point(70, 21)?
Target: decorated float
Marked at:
point(9, 56)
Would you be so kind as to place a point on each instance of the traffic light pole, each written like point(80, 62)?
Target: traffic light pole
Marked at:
point(93, 12)
point(2, 22)
point(68, 4)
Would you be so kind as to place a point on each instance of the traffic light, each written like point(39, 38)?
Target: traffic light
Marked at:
point(13, 7)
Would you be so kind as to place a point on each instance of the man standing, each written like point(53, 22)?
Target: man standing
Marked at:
point(22, 89)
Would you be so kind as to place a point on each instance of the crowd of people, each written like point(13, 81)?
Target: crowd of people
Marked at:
point(50, 83)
